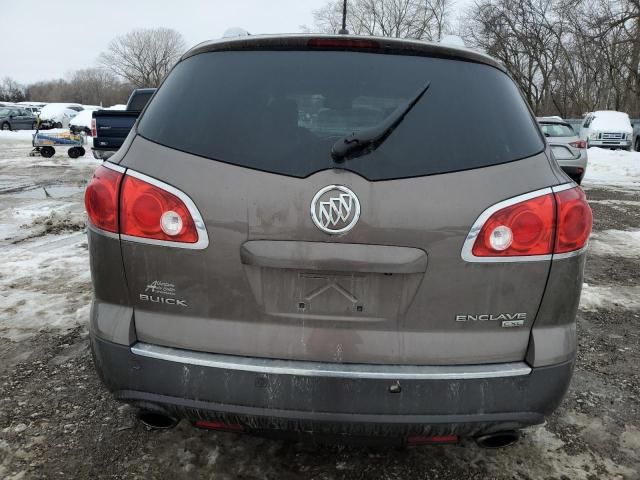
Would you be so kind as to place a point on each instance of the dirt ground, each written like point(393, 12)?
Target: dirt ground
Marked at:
point(57, 420)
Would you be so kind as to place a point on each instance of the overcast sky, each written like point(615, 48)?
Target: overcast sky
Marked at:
point(46, 39)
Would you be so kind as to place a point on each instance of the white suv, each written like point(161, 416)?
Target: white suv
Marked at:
point(607, 129)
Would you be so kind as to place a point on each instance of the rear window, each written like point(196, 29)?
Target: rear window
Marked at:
point(557, 130)
point(139, 101)
point(281, 112)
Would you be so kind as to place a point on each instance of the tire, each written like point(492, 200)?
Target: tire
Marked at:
point(47, 152)
point(82, 151)
point(73, 152)
point(636, 145)
point(6, 127)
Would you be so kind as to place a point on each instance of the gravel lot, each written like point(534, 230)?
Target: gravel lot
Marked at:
point(57, 421)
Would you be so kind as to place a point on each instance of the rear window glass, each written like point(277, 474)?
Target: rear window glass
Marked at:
point(281, 112)
point(557, 130)
point(139, 101)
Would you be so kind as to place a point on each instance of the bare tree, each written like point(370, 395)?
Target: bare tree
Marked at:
point(144, 57)
point(419, 19)
point(11, 91)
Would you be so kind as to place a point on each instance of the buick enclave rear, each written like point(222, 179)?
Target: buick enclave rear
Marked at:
point(339, 236)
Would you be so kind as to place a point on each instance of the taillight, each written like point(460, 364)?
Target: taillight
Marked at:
point(94, 131)
point(532, 226)
point(101, 199)
point(525, 228)
point(574, 220)
point(149, 211)
point(143, 209)
point(346, 43)
point(578, 144)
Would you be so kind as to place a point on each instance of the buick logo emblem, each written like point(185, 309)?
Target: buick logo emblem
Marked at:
point(335, 209)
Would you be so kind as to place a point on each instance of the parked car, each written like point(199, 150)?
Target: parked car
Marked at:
point(390, 280)
point(607, 129)
point(82, 121)
point(111, 126)
point(58, 115)
point(16, 118)
point(636, 136)
point(568, 149)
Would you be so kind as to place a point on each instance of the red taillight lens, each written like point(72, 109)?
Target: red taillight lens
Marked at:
point(94, 132)
point(101, 199)
point(525, 228)
point(148, 211)
point(574, 220)
point(579, 144)
point(558, 222)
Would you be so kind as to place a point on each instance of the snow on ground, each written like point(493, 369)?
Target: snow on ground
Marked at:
point(617, 168)
point(44, 266)
point(46, 284)
point(595, 297)
point(619, 243)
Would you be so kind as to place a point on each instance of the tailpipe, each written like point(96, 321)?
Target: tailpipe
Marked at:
point(498, 439)
point(157, 420)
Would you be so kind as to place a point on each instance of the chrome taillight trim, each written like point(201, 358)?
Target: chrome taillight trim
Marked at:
point(564, 186)
point(104, 233)
point(203, 237)
point(467, 248)
point(574, 253)
point(114, 167)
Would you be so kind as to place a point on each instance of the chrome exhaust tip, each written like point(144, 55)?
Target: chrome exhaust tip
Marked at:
point(156, 420)
point(498, 439)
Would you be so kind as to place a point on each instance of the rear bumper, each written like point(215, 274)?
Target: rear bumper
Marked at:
point(260, 395)
point(610, 143)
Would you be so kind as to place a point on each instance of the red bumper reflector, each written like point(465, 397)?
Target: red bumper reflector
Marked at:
point(424, 440)
point(225, 427)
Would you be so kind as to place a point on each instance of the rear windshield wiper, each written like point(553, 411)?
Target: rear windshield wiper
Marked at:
point(365, 141)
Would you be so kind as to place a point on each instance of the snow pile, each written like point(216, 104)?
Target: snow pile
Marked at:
point(23, 136)
point(611, 121)
point(613, 167)
point(57, 111)
point(617, 243)
point(83, 119)
point(614, 296)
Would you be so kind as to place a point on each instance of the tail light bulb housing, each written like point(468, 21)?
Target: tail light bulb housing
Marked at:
point(534, 226)
point(143, 209)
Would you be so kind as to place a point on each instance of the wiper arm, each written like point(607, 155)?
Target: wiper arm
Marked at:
point(366, 141)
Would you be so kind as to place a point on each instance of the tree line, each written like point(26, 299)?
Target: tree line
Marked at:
point(569, 57)
point(141, 58)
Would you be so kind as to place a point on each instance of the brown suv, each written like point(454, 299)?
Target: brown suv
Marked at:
point(300, 234)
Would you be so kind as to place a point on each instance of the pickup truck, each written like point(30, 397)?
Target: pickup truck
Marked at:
point(109, 128)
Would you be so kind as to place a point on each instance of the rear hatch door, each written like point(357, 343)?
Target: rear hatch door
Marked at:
point(253, 154)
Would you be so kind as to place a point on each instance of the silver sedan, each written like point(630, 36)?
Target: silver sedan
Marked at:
point(568, 149)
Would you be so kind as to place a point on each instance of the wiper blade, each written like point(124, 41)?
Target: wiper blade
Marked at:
point(366, 141)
